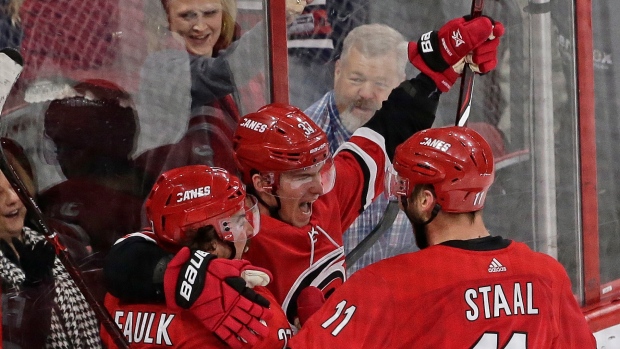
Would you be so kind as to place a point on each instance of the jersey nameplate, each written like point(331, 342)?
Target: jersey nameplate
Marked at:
point(495, 303)
point(142, 327)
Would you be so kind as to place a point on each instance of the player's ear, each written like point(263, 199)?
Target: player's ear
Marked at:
point(426, 200)
point(423, 199)
point(257, 182)
point(262, 183)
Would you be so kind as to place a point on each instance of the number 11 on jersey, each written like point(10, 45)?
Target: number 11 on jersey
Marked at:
point(340, 308)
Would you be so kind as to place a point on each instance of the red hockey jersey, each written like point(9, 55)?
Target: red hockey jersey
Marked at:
point(313, 255)
point(156, 326)
point(453, 296)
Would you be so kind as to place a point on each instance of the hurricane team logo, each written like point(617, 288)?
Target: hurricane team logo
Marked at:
point(327, 274)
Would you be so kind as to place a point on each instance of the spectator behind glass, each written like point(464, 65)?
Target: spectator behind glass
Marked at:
point(41, 305)
point(370, 67)
point(224, 86)
point(227, 86)
point(90, 137)
point(206, 26)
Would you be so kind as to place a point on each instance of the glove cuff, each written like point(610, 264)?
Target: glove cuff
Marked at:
point(184, 279)
point(428, 48)
point(443, 80)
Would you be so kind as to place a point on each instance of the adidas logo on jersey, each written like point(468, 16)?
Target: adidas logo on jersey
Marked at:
point(496, 266)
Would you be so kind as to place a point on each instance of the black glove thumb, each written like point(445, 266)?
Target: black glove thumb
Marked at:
point(239, 285)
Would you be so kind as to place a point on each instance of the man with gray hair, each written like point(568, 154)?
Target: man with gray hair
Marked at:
point(372, 64)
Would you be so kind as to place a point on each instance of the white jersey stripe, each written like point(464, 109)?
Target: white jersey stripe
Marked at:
point(374, 137)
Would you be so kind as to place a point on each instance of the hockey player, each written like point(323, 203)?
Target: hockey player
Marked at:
point(284, 158)
point(465, 288)
point(201, 213)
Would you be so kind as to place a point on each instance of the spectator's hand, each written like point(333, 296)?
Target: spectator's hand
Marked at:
point(213, 290)
point(441, 54)
point(36, 261)
point(294, 8)
point(310, 300)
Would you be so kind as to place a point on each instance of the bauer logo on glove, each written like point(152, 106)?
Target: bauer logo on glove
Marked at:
point(191, 273)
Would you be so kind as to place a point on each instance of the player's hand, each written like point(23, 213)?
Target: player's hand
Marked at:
point(310, 300)
point(441, 54)
point(213, 290)
point(484, 57)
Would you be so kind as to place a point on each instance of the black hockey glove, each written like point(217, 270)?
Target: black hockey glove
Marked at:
point(36, 261)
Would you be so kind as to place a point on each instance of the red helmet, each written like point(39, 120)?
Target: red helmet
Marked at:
point(457, 161)
point(187, 198)
point(279, 138)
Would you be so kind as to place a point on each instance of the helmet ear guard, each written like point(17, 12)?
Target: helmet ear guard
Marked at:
point(457, 161)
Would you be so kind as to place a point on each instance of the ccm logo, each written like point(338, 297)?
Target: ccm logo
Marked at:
point(190, 274)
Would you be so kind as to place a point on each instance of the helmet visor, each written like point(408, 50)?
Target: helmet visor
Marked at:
point(243, 224)
point(395, 185)
point(320, 176)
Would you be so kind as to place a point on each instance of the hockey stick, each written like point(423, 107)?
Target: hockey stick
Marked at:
point(467, 80)
point(384, 224)
point(11, 64)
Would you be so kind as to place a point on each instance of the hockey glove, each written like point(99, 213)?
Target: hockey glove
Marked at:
point(213, 290)
point(310, 300)
point(441, 54)
point(484, 57)
point(36, 261)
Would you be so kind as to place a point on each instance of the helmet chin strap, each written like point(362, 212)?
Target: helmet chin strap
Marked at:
point(434, 214)
point(273, 210)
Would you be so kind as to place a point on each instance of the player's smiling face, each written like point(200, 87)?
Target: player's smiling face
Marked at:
point(199, 22)
point(298, 190)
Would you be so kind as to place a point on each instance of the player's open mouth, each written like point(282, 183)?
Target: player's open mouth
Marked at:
point(306, 207)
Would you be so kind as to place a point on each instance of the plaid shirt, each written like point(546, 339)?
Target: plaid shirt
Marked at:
point(399, 238)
